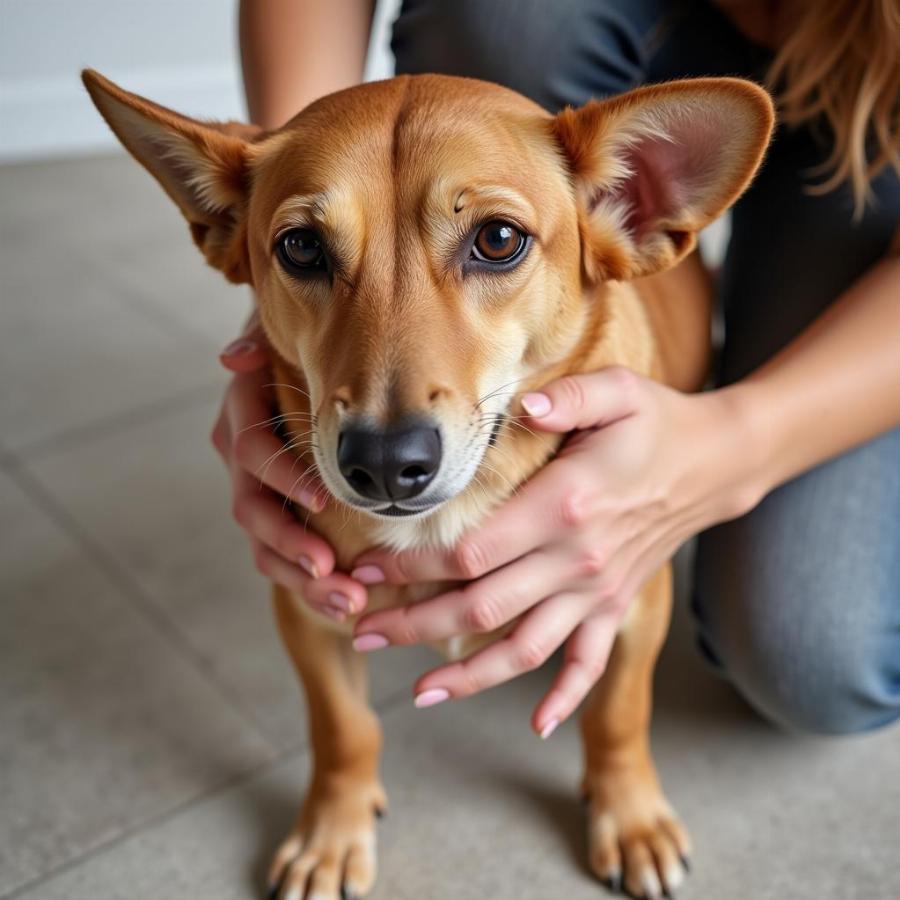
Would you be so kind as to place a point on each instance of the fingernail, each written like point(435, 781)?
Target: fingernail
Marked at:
point(309, 499)
point(367, 642)
point(308, 565)
point(549, 728)
point(536, 404)
point(240, 347)
point(368, 574)
point(431, 698)
point(340, 601)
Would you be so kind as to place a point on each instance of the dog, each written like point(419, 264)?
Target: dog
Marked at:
point(414, 245)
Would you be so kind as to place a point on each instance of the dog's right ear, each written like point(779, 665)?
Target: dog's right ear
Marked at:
point(203, 167)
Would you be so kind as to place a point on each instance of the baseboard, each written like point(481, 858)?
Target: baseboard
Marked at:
point(53, 117)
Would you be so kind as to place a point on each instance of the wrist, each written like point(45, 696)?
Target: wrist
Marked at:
point(747, 452)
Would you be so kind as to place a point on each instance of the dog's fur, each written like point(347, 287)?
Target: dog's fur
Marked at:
point(394, 175)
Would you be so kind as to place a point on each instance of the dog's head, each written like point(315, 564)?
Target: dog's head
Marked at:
point(421, 247)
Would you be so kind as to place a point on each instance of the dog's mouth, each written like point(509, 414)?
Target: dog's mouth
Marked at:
point(394, 511)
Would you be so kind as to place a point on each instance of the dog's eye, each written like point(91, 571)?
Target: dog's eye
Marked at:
point(301, 251)
point(498, 242)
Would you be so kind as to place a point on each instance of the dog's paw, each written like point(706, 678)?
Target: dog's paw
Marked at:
point(635, 840)
point(330, 854)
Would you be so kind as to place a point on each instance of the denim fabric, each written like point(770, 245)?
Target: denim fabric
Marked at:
point(798, 603)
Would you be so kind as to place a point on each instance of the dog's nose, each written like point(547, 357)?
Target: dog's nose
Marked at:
point(395, 464)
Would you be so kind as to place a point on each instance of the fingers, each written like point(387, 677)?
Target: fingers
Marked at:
point(584, 401)
point(335, 595)
point(528, 646)
point(263, 514)
point(249, 352)
point(587, 652)
point(256, 449)
point(478, 608)
point(263, 473)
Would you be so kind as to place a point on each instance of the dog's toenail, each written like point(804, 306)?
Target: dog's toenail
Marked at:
point(686, 863)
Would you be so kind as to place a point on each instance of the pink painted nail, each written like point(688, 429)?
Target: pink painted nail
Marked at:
point(432, 697)
point(240, 347)
point(308, 565)
point(549, 728)
point(536, 404)
point(340, 601)
point(367, 642)
point(368, 574)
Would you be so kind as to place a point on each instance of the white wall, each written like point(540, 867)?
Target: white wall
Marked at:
point(181, 53)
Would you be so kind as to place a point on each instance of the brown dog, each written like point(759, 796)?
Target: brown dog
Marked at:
point(416, 245)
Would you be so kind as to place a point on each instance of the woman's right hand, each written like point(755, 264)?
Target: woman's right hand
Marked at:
point(262, 476)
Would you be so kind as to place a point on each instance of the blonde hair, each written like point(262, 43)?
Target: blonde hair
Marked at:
point(842, 61)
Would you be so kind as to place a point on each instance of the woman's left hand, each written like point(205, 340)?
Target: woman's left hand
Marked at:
point(645, 468)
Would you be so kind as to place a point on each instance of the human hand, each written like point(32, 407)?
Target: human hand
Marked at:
point(263, 476)
point(646, 468)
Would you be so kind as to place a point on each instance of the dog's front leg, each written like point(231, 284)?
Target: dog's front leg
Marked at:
point(634, 836)
point(331, 851)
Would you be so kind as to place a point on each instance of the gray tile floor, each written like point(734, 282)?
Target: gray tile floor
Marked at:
point(151, 732)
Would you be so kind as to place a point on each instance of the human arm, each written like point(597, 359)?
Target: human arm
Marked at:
point(294, 51)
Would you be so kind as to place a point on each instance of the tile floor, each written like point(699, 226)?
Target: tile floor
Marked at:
point(151, 733)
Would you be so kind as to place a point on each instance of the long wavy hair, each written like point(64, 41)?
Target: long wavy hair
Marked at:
point(842, 62)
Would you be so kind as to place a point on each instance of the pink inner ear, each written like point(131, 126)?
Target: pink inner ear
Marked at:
point(672, 176)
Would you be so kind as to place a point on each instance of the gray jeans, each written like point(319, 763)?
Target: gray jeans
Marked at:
point(798, 603)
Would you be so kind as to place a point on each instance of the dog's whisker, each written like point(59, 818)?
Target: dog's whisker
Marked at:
point(495, 392)
point(291, 445)
point(280, 419)
point(512, 488)
point(291, 387)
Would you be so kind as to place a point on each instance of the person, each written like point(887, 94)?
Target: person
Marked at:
point(789, 470)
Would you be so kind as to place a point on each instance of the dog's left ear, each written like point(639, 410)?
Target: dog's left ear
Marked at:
point(654, 166)
point(202, 166)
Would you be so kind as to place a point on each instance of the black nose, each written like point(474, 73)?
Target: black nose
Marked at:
point(389, 465)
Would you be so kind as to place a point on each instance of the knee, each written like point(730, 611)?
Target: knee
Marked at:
point(808, 661)
point(804, 676)
point(824, 690)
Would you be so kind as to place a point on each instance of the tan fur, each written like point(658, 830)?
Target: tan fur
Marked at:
point(391, 175)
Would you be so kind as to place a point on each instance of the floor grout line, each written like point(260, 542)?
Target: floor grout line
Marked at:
point(385, 707)
point(110, 425)
point(131, 589)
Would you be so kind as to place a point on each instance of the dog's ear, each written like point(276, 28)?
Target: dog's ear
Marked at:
point(203, 167)
point(654, 166)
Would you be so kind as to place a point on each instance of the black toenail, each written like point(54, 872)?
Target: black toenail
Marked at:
point(380, 813)
point(686, 863)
